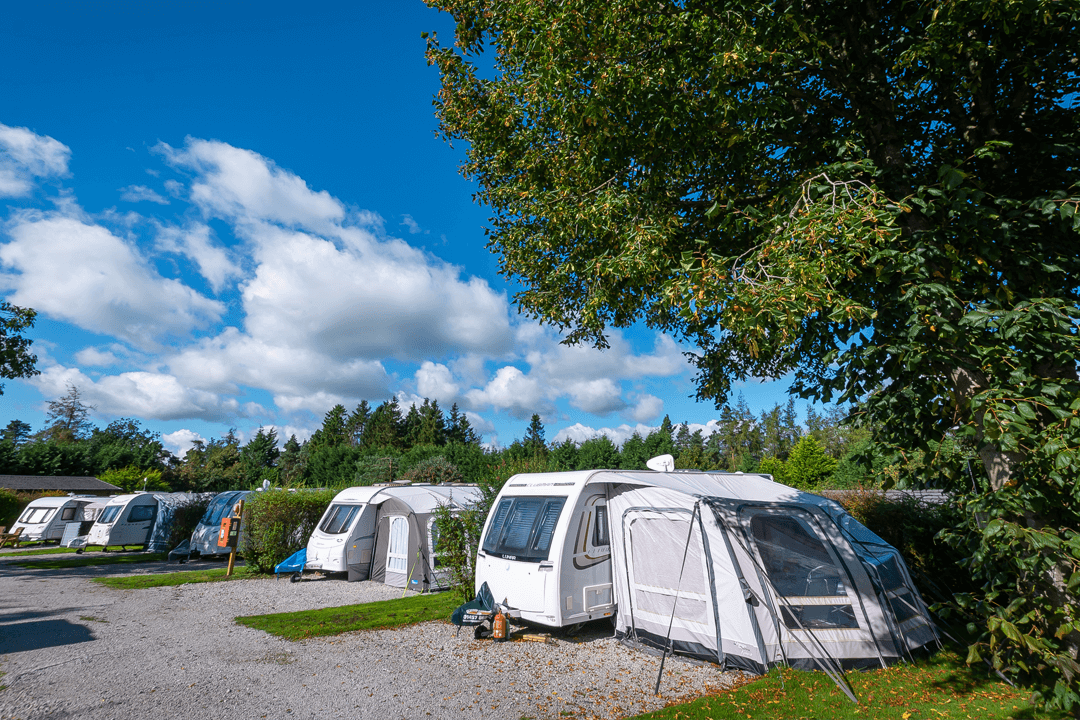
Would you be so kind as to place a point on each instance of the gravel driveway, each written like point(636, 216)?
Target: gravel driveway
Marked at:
point(73, 648)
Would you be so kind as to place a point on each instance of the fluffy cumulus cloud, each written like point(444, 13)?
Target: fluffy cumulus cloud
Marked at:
point(196, 244)
point(579, 433)
point(179, 442)
point(591, 380)
point(26, 157)
point(144, 395)
point(257, 282)
point(80, 272)
point(238, 184)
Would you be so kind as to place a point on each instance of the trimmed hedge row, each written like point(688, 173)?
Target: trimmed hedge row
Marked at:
point(278, 523)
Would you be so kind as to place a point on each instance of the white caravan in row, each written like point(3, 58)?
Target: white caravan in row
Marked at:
point(45, 518)
point(729, 567)
point(386, 533)
point(125, 520)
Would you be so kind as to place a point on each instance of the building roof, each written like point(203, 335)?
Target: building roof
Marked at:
point(35, 483)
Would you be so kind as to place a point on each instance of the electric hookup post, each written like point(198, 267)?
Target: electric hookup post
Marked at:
point(229, 535)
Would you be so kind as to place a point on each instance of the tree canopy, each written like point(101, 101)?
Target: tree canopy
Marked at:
point(881, 198)
point(16, 360)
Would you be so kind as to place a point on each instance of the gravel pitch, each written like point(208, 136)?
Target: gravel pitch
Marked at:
point(71, 648)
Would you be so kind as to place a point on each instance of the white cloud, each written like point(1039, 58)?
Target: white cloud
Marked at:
point(195, 243)
point(83, 274)
point(579, 433)
point(243, 185)
point(96, 358)
point(141, 193)
point(145, 395)
point(648, 407)
point(414, 227)
point(24, 156)
point(591, 379)
point(179, 442)
point(434, 380)
point(513, 391)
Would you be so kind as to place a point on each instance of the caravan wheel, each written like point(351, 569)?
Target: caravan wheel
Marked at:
point(295, 577)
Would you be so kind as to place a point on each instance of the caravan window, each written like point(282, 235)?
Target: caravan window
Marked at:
point(141, 513)
point(109, 514)
point(433, 543)
point(339, 518)
point(68, 514)
point(800, 567)
point(522, 528)
point(36, 516)
point(600, 530)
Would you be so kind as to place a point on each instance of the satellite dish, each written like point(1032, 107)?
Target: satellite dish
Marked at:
point(661, 463)
point(266, 485)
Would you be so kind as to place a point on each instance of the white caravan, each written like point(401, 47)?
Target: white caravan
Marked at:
point(729, 567)
point(44, 519)
point(125, 520)
point(385, 533)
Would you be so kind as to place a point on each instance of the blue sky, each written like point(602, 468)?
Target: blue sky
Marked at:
point(238, 214)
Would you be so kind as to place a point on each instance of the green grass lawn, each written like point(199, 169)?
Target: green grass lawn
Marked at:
point(138, 582)
point(934, 689)
point(37, 551)
point(84, 561)
point(369, 616)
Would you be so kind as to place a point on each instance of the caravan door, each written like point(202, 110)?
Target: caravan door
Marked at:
point(360, 545)
point(585, 582)
point(397, 552)
point(667, 571)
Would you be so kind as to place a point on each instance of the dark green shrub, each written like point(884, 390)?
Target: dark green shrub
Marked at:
point(12, 504)
point(434, 470)
point(914, 528)
point(186, 516)
point(277, 523)
point(459, 534)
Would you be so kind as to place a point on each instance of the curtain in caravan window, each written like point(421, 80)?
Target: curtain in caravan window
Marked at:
point(397, 555)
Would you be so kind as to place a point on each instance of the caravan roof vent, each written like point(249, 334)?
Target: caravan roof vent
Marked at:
point(661, 463)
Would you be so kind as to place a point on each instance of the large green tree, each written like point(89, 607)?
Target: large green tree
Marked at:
point(879, 197)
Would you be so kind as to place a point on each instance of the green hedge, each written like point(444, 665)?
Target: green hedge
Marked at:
point(914, 528)
point(278, 523)
point(186, 517)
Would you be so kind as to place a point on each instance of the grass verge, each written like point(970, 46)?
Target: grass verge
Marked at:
point(369, 616)
point(37, 551)
point(81, 561)
point(138, 582)
point(941, 687)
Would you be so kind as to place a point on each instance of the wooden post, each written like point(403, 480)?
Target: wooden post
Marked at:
point(238, 514)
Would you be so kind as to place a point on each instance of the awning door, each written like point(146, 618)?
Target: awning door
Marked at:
point(661, 582)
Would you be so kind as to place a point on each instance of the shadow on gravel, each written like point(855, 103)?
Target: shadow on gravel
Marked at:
point(24, 614)
point(21, 637)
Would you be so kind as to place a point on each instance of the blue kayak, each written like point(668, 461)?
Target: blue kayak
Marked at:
point(294, 564)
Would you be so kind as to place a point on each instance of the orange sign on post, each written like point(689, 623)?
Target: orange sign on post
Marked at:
point(229, 534)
